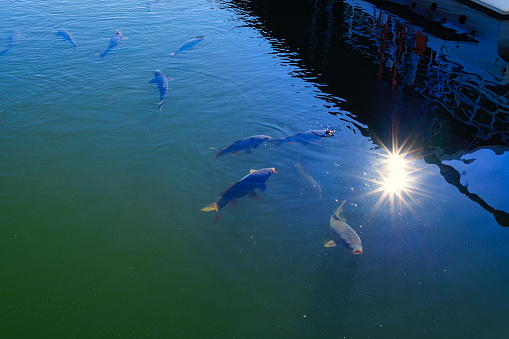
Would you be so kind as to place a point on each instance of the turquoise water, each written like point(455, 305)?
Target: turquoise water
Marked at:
point(101, 233)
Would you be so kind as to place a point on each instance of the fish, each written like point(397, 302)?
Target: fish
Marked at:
point(246, 186)
point(66, 36)
point(342, 233)
point(188, 45)
point(162, 85)
point(308, 179)
point(243, 144)
point(303, 137)
point(13, 40)
point(150, 4)
point(115, 39)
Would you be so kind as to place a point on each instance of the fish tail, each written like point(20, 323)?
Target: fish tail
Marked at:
point(211, 207)
point(340, 209)
point(218, 154)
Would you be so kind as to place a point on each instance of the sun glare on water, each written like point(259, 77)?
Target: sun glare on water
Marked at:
point(398, 180)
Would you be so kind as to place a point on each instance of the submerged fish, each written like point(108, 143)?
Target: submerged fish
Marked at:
point(188, 45)
point(254, 180)
point(66, 36)
point(308, 179)
point(243, 144)
point(13, 40)
point(303, 137)
point(115, 40)
point(150, 4)
point(343, 234)
point(162, 85)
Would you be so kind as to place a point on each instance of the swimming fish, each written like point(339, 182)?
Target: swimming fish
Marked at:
point(162, 85)
point(243, 144)
point(150, 4)
point(308, 179)
point(303, 137)
point(188, 45)
point(254, 180)
point(343, 234)
point(13, 40)
point(115, 40)
point(66, 36)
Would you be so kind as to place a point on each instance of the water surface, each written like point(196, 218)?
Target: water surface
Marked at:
point(101, 230)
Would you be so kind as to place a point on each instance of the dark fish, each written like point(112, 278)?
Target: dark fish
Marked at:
point(343, 234)
point(13, 40)
point(303, 137)
point(188, 45)
point(66, 36)
point(162, 85)
point(254, 180)
point(308, 180)
point(115, 40)
point(243, 144)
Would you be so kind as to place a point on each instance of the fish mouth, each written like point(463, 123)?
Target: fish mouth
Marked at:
point(357, 251)
point(273, 170)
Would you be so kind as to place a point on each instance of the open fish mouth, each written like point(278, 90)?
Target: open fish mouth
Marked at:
point(357, 251)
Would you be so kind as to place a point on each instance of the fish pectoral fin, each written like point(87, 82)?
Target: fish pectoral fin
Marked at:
point(344, 219)
point(329, 243)
point(262, 187)
point(233, 203)
point(248, 150)
point(233, 153)
point(253, 195)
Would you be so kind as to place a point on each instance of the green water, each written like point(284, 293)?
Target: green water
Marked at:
point(101, 233)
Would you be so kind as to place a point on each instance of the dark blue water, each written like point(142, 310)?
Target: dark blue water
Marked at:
point(101, 233)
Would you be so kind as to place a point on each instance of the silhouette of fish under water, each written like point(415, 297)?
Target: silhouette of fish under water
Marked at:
point(246, 186)
point(245, 144)
point(342, 233)
point(13, 41)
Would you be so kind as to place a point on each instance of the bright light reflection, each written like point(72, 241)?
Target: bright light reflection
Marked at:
point(398, 180)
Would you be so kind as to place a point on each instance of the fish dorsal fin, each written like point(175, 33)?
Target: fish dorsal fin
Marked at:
point(253, 170)
point(329, 243)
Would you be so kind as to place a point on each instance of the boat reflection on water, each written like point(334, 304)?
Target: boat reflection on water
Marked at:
point(446, 84)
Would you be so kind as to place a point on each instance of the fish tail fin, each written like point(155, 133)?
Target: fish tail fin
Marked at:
point(172, 54)
point(160, 105)
point(340, 209)
point(218, 153)
point(211, 207)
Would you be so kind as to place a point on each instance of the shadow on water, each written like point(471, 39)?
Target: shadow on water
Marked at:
point(444, 84)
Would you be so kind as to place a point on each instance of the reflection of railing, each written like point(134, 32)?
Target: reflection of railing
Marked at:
point(470, 94)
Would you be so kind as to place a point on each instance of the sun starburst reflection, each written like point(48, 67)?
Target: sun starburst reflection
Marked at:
point(398, 177)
